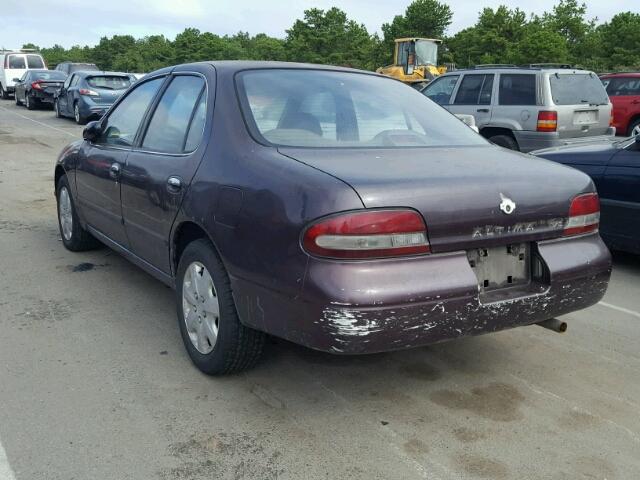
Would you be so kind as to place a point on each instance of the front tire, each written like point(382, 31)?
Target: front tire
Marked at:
point(74, 237)
point(215, 339)
point(505, 141)
point(18, 102)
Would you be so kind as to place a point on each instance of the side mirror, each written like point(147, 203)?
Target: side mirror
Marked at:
point(92, 131)
point(16, 80)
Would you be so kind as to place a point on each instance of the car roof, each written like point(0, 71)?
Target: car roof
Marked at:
point(100, 73)
point(621, 74)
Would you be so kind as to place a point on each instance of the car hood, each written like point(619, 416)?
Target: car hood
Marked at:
point(459, 190)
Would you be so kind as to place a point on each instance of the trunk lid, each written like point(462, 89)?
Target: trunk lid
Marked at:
point(107, 96)
point(459, 190)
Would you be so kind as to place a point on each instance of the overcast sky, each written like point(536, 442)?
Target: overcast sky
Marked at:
point(69, 22)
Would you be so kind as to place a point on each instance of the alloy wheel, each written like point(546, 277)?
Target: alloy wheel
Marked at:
point(65, 213)
point(635, 131)
point(200, 307)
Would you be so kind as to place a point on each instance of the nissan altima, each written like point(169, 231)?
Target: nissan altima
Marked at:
point(334, 208)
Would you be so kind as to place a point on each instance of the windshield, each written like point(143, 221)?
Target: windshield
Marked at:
point(577, 88)
point(314, 108)
point(110, 82)
point(52, 75)
point(426, 53)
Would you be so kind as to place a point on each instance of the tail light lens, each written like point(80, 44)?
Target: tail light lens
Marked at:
point(547, 121)
point(584, 214)
point(36, 85)
point(368, 234)
point(86, 91)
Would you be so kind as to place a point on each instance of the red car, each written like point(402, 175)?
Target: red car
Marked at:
point(624, 92)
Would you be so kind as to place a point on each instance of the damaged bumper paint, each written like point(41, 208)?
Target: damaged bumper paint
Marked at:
point(381, 305)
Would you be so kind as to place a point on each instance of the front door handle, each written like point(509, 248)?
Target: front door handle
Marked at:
point(483, 110)
point(174, 184)
point(114, 170)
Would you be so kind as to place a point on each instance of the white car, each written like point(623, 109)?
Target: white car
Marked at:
point(13, 64)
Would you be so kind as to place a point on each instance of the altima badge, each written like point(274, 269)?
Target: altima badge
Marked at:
point(507, 205)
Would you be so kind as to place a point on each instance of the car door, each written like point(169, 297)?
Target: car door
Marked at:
point(620, 198)
point(159, 170)
point(20, 87)
point(516, 107)
point(473, 97)
point(62, 95)
point(72, 94)
point(99, 169)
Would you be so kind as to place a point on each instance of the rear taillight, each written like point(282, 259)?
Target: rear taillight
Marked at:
point(86, 91)
point(36, 85)
point(584, 214)
point(368, 234)
point(547, 121)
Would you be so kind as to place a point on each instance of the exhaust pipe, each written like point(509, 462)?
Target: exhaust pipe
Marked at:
point(554, 324)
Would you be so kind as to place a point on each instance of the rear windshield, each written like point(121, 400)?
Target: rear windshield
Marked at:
point(52, 75)
point(314, 108)
point(35, 61)
point(17, 61)
point(110, 82)
point(577, 88)
point(80, 67)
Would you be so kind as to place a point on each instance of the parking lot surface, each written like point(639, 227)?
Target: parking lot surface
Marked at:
point(95, 382)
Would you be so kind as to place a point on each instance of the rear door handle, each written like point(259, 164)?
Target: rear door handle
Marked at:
point(483, 110)
point(174, 184)
point(114, 170)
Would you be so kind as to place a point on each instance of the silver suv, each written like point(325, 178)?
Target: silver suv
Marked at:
point(527, 108)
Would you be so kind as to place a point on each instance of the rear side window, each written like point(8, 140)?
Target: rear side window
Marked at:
point(517, 89)
point(440, 90)
point(622, 87)
point(109, 82)
point(577, 88)
point(168, 128)
point(475, 90)
point(17, 61)
point(35, 61)
point(122, 124)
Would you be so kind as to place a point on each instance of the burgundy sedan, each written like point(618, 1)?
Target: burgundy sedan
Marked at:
point(337, 209)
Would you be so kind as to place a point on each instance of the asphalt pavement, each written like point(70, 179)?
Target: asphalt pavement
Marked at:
point(95, 382)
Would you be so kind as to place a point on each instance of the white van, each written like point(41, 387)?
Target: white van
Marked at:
point(13, 64)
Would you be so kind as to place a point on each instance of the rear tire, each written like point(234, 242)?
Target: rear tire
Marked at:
point(505, 141)
point(634, 128)
point(80, 120)
point(29, 102)
point(217, 344)
point(74, 237)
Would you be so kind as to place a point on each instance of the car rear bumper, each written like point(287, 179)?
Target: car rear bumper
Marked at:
point(43, 97)
point(91, 109)
point(383, 305)
point(529, 141)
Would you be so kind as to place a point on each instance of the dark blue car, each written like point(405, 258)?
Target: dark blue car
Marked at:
point(614, 166)
point(88, 95)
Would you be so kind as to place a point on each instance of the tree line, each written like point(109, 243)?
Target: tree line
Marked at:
point(501, 35)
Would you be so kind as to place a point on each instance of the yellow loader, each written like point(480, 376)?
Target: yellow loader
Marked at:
point(415, 61)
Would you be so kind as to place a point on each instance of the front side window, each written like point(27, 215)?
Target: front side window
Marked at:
point(35, 61)
point(315, 108)
point(17, 61)
point(517, 89)
point(440, 89)
point(167, 130)
point(622, 87)
point(475, 90)
point(577, 89)
point(122, 123)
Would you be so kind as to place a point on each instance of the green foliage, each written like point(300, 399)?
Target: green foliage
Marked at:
point(500, 35)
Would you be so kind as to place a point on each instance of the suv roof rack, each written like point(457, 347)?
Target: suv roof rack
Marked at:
point(18, 50)
point(495, 65)
point(549, 65)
